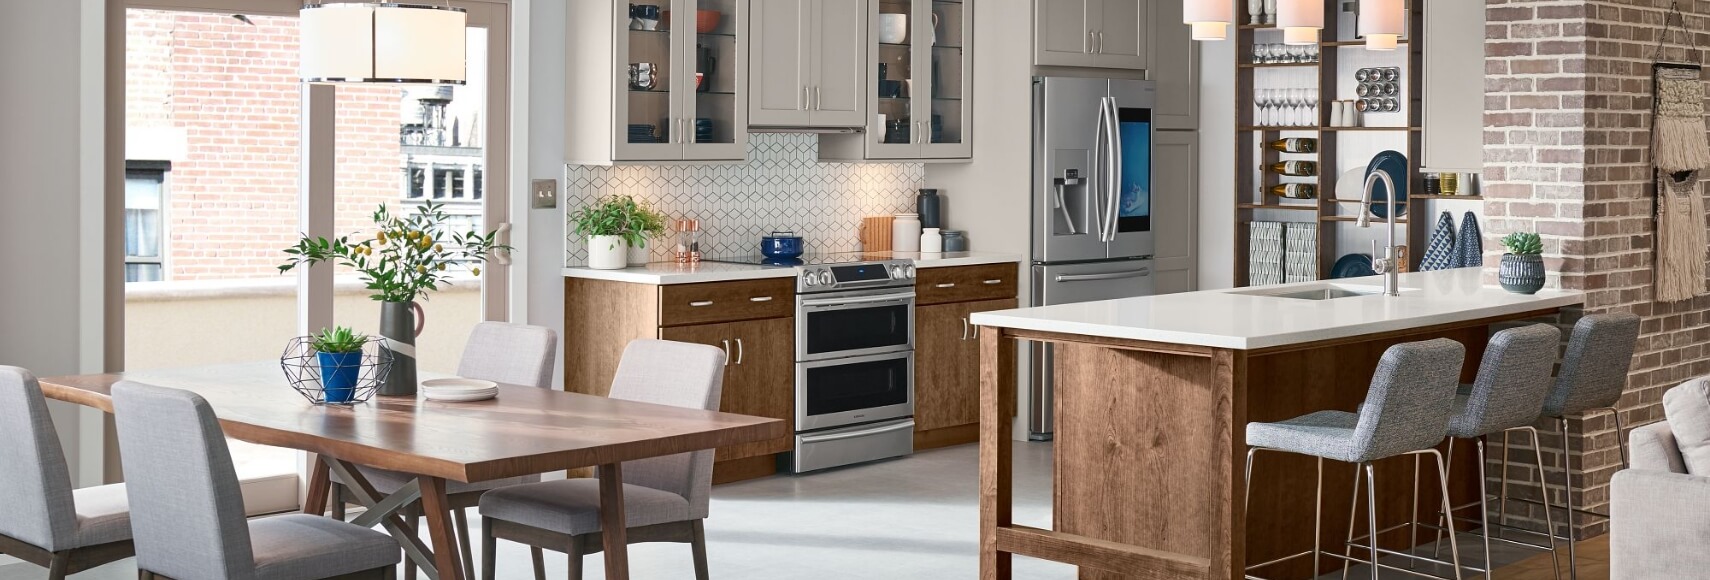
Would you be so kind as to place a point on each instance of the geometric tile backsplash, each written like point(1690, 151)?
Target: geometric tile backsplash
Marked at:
point(783, 186)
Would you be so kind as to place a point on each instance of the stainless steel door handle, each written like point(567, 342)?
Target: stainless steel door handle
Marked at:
point(681, 138)
point(862, 433)
point(863, 300)
point(945, 285)
point(1100, 43)
point(1143, 272)
point(726, 352)
point(738, 351)
point(1114, 151)
point(700, 303)
point(976, 332)
point(1096, 187)
point(804, 105)
point(1086, 47)
point(964, 329)
point(816, 101)
point(760, 299)
point(992, 282)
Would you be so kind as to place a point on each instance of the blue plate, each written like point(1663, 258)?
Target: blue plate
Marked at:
point(1395, 164)
point(1352, 266)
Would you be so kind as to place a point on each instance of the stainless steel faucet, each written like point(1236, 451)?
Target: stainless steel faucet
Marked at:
point(1387, 264)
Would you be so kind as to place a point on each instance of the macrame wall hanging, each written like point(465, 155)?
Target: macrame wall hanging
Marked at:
point(1680, 150)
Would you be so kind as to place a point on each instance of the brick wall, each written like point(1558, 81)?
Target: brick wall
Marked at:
point(231, 90)
point(1567, 111)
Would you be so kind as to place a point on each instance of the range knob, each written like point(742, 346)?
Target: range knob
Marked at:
point(811, 279)
point(909, 271)
point(897, 272)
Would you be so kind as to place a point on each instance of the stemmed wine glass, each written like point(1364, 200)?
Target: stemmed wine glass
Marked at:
point(1262, 98)
point(1312, 106)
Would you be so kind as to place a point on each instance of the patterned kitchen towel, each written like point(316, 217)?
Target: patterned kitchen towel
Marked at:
point(1469, 247)
point(1440, 252)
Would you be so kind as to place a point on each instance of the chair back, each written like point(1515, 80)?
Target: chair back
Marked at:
point(516, 354)
point(1594, 370)
point(678, 374)
point(1412, 394)
point(1513, 381)
point(34, 482)
point(187, 513)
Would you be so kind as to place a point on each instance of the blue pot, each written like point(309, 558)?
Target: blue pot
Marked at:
point(339, 372)
point(781, 245)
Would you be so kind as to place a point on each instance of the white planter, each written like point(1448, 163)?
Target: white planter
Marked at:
point(607, 253)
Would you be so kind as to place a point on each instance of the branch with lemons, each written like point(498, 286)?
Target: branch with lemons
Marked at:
point(408, 255)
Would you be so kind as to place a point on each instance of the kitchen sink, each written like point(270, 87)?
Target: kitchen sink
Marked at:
point(1320, 292)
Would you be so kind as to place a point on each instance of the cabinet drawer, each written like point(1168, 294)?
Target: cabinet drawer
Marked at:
point(681, 304)
point(965, 283)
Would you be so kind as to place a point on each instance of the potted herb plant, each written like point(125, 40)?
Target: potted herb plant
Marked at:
point(1522, 269)
point(339, 352)
point(613, 224)
point(407, 258)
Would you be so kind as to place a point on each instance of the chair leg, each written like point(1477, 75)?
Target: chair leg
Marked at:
point(1413, 516)
point(60, 564)
point(698, 546)
point(1502, 491)
point(489, 551)
point(337, 501)
point(1443, 487)
point(1620, 437)
point(1353, 516)
point(575, 559)
point(463, 544)
point(1318, 520)
point(539, 557)
point(1567, 493)
point(1445, 520)
point(1484, 510)
point(1544, 493)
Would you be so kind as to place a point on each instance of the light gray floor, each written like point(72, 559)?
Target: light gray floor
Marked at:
point(910, 518)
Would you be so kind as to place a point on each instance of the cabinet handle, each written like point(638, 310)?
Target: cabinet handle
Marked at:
point(993, 282)
point(1087, 46)
point(760, 299)
point(804, 106)
point(738, 351)
point(976, 332)
point(964, 329)
point(700, 303)
point(726, 352)
point(1100, 44)
point(945, 285)
point(816, 101)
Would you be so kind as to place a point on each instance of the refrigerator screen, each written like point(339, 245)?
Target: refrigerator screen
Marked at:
point(1135, 131)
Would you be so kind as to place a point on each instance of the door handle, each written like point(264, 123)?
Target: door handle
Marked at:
point(1086, 47)
point(760, 299)
point(726, 353)
point(1114, 184)
point(503, 256)
point(700, 303)
point(1100, 43)
point(906, 425)
point(945, 285)
point(964, 329)
point(1143, 272)
point(1095, 186)
point(681, 138)
point(804, 105)
point(992, 282)
point(738, 351)
point(976, 332)
point(816, 101)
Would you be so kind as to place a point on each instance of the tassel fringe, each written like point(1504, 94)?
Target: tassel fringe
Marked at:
point(1681, 239)
point(1679, 144)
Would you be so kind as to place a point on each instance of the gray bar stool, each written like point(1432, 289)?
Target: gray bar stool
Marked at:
point(1405, 412)
point(1507, 396)
point(1592, 377)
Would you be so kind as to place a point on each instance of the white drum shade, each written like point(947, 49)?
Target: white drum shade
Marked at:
point(1300, 20)
point(1300, 36)
point(1382, 22)
point(383, 43)
point(1209, 18)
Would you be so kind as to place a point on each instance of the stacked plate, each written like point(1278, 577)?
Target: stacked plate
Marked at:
point(1300, 261)
point(459, 390)
point(642, 133)
point(1265, 246)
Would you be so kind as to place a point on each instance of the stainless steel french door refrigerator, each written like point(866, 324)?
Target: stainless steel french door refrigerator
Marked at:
point(1092, 193)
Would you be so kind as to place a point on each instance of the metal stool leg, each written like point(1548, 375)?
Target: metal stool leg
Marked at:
point(1444, 519)
point(1318, 519)
point(1371, 515)
point(1443, 484)
point(1484, 511)
point(1567, 493)
point(1353, 516)
point(1413, 518)
point(1502, 498)
point(1544, 492)
point(1620, 437)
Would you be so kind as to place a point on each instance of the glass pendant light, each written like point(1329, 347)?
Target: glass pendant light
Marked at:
point(1382, 22)
point(1300, 20)
point(1209, 18)
point(383, 43)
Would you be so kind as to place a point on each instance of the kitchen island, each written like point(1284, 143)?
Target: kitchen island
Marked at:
point(1152, 398)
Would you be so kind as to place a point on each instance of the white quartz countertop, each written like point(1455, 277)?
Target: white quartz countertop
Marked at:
point(662, 273)
point(1239, 319)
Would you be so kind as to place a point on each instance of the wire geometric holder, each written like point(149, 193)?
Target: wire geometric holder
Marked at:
point(303, 370)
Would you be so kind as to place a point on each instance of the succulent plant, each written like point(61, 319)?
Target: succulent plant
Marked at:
point(337, 340)
point(1523, 244)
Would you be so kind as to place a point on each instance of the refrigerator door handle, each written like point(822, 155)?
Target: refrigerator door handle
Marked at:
point(1140, 273)
point(1114, 150)
point(1097, 188)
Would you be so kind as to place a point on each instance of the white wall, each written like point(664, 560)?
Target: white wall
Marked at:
point(545, 115)
point(50, 108)
point(1216, 180)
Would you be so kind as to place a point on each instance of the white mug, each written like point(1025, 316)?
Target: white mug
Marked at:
point(1337, 109)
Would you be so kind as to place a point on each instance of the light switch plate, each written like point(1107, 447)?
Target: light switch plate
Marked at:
point(544, 194)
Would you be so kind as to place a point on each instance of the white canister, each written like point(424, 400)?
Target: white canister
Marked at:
point(905, 232)
point(931, 242)
point(1350, 115)
point(607, 253)
point(1337, 109)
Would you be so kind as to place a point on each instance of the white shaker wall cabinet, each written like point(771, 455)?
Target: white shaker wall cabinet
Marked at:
point(807, 63)
point(1094, 33)
point(1175, 67)
point(1453, 110)
point(687, 97)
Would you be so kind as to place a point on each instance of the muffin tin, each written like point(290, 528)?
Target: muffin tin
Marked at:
point(1379, 89)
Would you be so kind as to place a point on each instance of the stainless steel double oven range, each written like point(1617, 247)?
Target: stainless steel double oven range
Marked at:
point(854, 360)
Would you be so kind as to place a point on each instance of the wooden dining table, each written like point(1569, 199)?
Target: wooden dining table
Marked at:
point(523, 431)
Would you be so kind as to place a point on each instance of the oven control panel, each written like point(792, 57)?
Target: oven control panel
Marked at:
point(855, 275)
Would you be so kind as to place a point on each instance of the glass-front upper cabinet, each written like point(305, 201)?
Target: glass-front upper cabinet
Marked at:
point(657, 81)
point(920, 53)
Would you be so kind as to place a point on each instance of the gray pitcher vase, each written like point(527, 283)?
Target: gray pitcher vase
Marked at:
point(400, 323)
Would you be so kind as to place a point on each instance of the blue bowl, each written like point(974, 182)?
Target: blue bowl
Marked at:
point(781, 245)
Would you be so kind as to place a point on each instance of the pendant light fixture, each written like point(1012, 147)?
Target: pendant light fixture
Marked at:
point(383, 43)
point(1301, 20)
point(1209, 18)
point(1382, 22)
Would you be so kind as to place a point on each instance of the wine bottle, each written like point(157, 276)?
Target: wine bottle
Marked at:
point(1295, 145)
point(1295, 168)
point(1295, 190)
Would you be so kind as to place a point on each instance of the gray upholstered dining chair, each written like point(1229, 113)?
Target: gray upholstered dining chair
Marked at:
point(502, 352)
point(187, 508)
point(665, 498)
point(42, 519)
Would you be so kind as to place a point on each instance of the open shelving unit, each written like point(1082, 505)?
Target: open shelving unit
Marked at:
point(1333, 215)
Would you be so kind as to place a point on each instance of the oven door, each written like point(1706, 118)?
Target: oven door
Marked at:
point(854, 390)
point(856, 323)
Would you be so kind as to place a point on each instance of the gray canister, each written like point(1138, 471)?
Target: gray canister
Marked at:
point(927, 204)
point(955, 240)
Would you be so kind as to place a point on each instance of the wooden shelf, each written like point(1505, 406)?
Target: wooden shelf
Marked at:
point(1331, 129)
point(1255, 26)
point(1454, 197)
point(1278, 64)
point(1279, 129)
point(1357, 129)
point(1286, 206)
point(1341, 43)
point(1353, 218)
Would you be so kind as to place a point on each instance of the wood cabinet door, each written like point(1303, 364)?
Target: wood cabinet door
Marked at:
point(1062, 33)
point(779, 61)
point(1123, 31)
point(759, 374)
point(946, 368)
point(837, 48)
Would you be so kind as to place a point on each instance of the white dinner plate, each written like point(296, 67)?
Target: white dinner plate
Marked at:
point(461, 397)
point(458, 385)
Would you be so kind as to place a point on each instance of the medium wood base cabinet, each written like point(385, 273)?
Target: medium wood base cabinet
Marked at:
point(759, 374)
point(947, 349)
